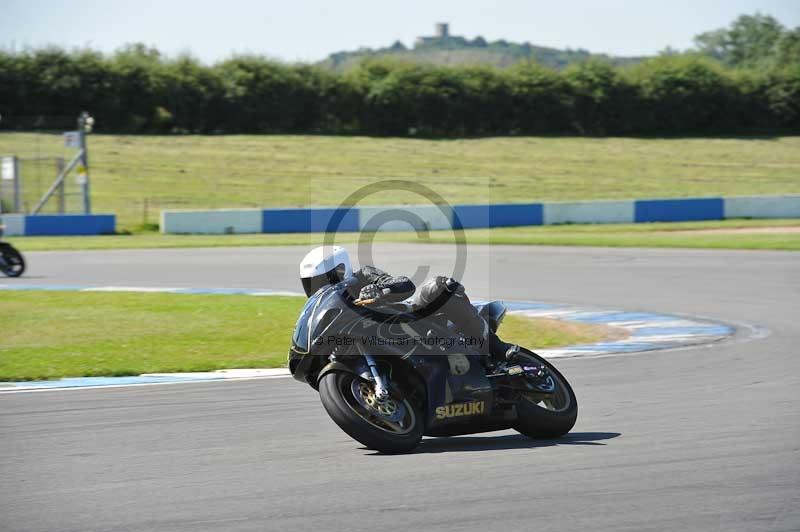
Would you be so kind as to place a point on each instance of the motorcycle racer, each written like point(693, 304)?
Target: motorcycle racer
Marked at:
point(331, 264)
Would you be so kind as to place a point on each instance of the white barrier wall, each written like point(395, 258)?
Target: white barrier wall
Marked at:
point(14, 224)
point(418, 218)
point(217, 222)
point(762, 207)
point(589, 212)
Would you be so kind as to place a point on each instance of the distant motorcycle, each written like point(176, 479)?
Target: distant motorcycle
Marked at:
point(11, 262)
point(388, 375)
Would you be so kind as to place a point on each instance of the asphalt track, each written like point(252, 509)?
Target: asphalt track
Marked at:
point(697, 439)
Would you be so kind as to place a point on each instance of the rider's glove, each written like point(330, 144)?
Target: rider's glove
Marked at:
point(451, 285)
point(371, 291)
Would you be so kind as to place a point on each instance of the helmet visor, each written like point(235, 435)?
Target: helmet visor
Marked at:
point(312, 284)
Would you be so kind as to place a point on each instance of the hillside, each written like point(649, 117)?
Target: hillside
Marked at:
point(446, 49)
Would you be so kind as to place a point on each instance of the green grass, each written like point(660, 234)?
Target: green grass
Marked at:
point(56, 334)
point(684, 234)
point(669, 235)
point(176, 172)
point(539, 333)
point(68, 334)
point(667, 239)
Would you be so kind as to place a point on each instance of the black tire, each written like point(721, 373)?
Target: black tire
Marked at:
point(15, 264)
point(538, 421)
point(342, 408)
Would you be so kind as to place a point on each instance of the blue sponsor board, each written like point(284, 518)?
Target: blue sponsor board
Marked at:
point(310, 220)
point(506, 215)
point(679, 210)
point(69, 224)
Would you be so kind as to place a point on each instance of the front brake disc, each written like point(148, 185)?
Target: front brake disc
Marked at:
point(389, 408)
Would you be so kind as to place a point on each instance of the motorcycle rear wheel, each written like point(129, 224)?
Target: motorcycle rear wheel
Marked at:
point(346, 397)
point(14, 263)
point(546, 416)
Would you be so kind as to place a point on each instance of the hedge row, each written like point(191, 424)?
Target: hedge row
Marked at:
point(137, 90)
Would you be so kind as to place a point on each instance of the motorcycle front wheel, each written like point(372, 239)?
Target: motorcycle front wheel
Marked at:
point(545, 415)
point(14, 264)
point(392, 425)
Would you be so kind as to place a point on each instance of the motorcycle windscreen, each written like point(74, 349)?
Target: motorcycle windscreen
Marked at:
point(302, 337)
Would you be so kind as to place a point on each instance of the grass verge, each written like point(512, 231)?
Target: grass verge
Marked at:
point(48, 335)
point(685, 234)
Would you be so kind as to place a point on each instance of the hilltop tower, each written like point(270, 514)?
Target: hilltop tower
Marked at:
point(442, 32)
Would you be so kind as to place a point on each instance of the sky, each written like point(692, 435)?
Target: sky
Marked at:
point(309, 30)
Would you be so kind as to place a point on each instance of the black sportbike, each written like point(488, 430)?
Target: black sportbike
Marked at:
point(11, 262)
point(388, 375)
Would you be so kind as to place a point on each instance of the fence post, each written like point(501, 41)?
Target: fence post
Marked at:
point(85, 123)
point(59, 169)
point(17, 187)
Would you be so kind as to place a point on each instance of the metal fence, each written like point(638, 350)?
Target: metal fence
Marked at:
point(46, 171)
point(27, 180)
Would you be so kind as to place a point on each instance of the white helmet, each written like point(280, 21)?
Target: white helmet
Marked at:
point(324, 265)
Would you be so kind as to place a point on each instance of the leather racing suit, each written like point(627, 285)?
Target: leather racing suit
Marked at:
point(446, 293)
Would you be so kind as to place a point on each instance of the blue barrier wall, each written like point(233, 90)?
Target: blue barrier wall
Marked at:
point(427, 217)
point(508, 215)
point(69, 224)
point(679, 210)
point(309, 220)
